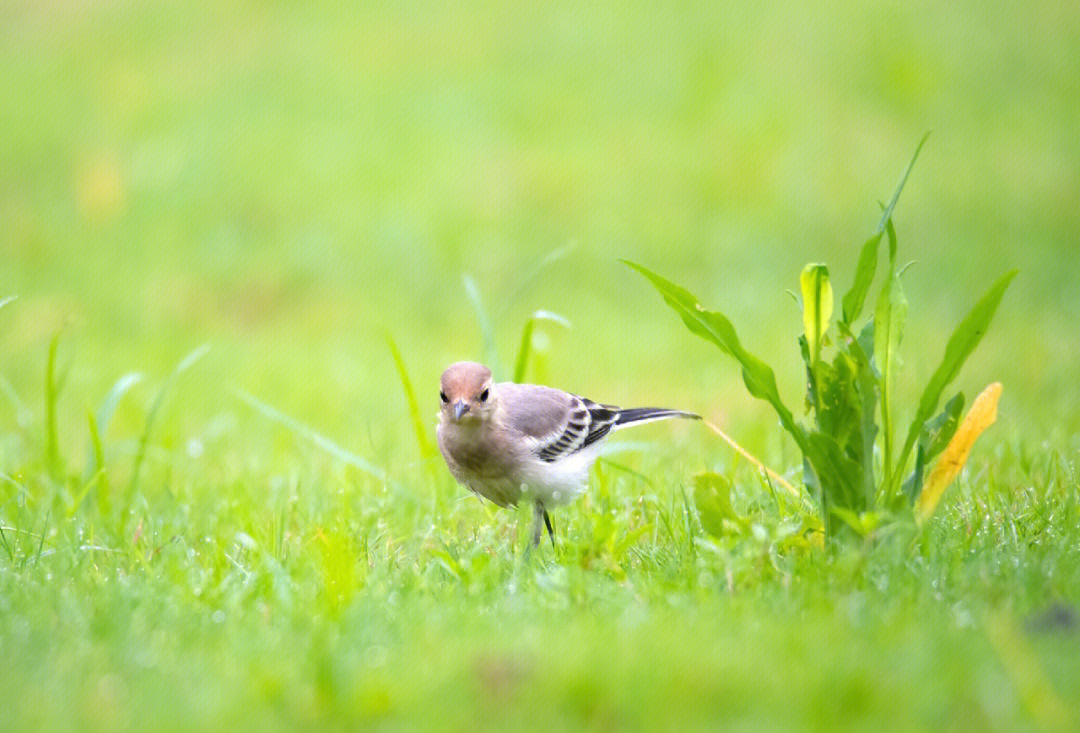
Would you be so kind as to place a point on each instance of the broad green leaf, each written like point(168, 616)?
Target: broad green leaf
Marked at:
point(890, 235)
point(862, 523)
point(939, 431)
point(866, 339)
point(962, 342)
point(848, 398)
point(832, 477)
point(817, 296)
point(712, 497)
point(759, 379)
point(864, 276)
point(866, 387)
point(889, 317)
point(811, 400)
point(933, 438)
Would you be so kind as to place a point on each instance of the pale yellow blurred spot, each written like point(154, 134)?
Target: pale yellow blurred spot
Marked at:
point(982, 415)
point(41, 316)
point(100, 188)
point(1026, 671)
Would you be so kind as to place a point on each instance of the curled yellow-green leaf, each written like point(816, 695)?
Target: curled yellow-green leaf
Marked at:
point(817, 297)
point(982, 415)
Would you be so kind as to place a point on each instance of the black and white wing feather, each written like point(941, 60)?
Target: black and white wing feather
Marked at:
point(587, 423)
point(559, 424)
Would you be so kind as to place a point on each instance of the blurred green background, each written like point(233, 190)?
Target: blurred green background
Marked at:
point(289, 182)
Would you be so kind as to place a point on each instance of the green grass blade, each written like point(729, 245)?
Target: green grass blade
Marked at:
point(105, 412)
point(491, 353)
point(99, 465)
point(887, 214)
point(79, 497)
point(522, 361)
point(23, 416)
point(7, 547)
point(627, 470)
point(314, 437)
point(962, 342)
point(550, 259)
point(759, 378)
point(108, 405)
point(423, 442)
point(155, 407)
point(52, 393)
point(855, 298)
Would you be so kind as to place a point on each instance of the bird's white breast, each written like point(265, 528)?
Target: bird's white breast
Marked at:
point(561, 481)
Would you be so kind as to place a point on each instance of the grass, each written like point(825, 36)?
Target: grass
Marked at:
point(258, 537)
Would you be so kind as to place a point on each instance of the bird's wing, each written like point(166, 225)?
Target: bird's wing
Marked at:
point(556, 423)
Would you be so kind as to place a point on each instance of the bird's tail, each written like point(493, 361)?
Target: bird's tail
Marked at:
point(641, 415)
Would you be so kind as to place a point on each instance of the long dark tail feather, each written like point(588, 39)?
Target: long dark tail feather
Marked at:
point(648, 414)
point(550, 528)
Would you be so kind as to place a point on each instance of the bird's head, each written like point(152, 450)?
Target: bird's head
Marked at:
point(466, 393)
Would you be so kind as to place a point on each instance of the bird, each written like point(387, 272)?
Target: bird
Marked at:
point(504, 440)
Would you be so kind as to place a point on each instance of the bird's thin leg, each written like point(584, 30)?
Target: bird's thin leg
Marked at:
point(550, 528)
point(539, 514)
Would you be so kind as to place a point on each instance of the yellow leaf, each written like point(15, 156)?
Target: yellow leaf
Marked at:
point(817, 305)
point(982, 414)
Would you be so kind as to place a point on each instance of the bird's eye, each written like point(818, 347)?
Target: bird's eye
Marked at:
point(484, 396)
point(442, 396)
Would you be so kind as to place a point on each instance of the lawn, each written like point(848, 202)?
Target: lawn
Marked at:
point(216, 511)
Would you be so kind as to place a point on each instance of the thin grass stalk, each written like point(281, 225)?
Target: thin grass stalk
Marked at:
point(52, 439)
point(159, 400)
point(750, 457)
point(423, 443)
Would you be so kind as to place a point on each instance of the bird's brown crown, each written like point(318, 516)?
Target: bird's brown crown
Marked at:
point(465, 380)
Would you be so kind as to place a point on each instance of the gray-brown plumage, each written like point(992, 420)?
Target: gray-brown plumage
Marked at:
point(505, 440)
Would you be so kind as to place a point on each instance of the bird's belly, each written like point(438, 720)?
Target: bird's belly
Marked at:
point(560, 482)
point(552, 483)
point(500, 477)
point(502, 491)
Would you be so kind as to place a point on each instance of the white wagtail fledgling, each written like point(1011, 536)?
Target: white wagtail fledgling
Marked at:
point(504, 440)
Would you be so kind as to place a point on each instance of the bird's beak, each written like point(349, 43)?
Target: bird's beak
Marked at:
point(460, 408)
